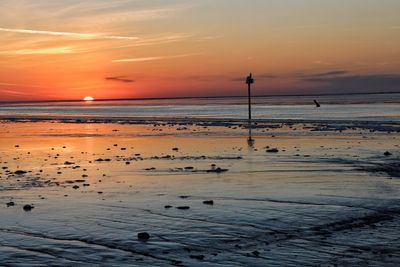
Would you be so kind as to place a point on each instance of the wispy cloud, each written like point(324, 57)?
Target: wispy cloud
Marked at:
point(325, 74)
point(143, 59)
point(119, 79)
point(41, 51)
point(70, 34)
point(357, 82)
point(8, 84)
point(2, 84)
point(13, 92)
point(129, 16)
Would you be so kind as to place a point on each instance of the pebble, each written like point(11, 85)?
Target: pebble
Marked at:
point(143, 236)
point(218, 170)
point(208, 202)
point(28, 207)
point(183, 207)
point(387, 153)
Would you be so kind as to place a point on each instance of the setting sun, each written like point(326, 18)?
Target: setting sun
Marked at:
point(88, 98)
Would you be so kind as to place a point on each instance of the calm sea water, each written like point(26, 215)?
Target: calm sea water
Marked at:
point(370, 107)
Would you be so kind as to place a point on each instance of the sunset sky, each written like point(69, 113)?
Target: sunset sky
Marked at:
point(68, 49)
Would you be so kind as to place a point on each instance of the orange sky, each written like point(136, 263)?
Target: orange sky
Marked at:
point(126, 49)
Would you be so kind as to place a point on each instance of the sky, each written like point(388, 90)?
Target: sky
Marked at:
point(69, 49)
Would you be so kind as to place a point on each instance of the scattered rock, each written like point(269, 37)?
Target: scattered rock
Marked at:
point(143, 236)
point(10, 204)
point(183, 207)
point(20, 172)
point(218, 170)
point(272, 150)
point(28, 207)
point(167, 206)
point(208, 202)
point(387, 153)
point(75, 187)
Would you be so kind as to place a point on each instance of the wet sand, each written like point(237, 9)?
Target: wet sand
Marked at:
point(328, 195)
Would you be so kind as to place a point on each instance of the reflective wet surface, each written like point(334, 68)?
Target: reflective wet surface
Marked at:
point(321, 198)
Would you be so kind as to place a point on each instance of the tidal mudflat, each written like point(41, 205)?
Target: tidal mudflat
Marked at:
point(198, 194)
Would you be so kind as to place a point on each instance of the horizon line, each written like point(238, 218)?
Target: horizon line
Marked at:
point(184, 97)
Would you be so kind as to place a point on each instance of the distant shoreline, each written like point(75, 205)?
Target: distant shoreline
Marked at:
point(188, 97)
point(185, 120)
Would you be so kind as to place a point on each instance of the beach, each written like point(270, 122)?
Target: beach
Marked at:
point(306, 192)
point(226, 133)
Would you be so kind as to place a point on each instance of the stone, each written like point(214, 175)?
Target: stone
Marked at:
point(28, 207)
point(183, 207)
point(143, 236)
point(208, 202)
point(387, 153)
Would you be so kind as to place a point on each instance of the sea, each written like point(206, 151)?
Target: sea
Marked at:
point(381, 107)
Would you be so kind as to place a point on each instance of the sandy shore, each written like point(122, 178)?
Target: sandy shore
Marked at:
point(328, 195)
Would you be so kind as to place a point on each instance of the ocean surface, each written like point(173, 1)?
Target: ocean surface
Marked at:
point(362, 107)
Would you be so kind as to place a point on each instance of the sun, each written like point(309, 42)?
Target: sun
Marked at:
point(88, 98)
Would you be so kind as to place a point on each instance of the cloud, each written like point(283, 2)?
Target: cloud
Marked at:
point(256, 77)
point(138, 59)
point(326, 74)
point(143, 59)
point(357, 83)
point(2, 84)
point(158, 39)
point(12, 92)
point(70, 34)
point(119, 79)
point(8, 84)
point(41, 51)
point(129, 16)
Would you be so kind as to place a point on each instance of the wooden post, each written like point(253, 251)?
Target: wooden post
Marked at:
point(249, 82)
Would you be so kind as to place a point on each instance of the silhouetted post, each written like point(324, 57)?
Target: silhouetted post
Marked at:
point(249, 82)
